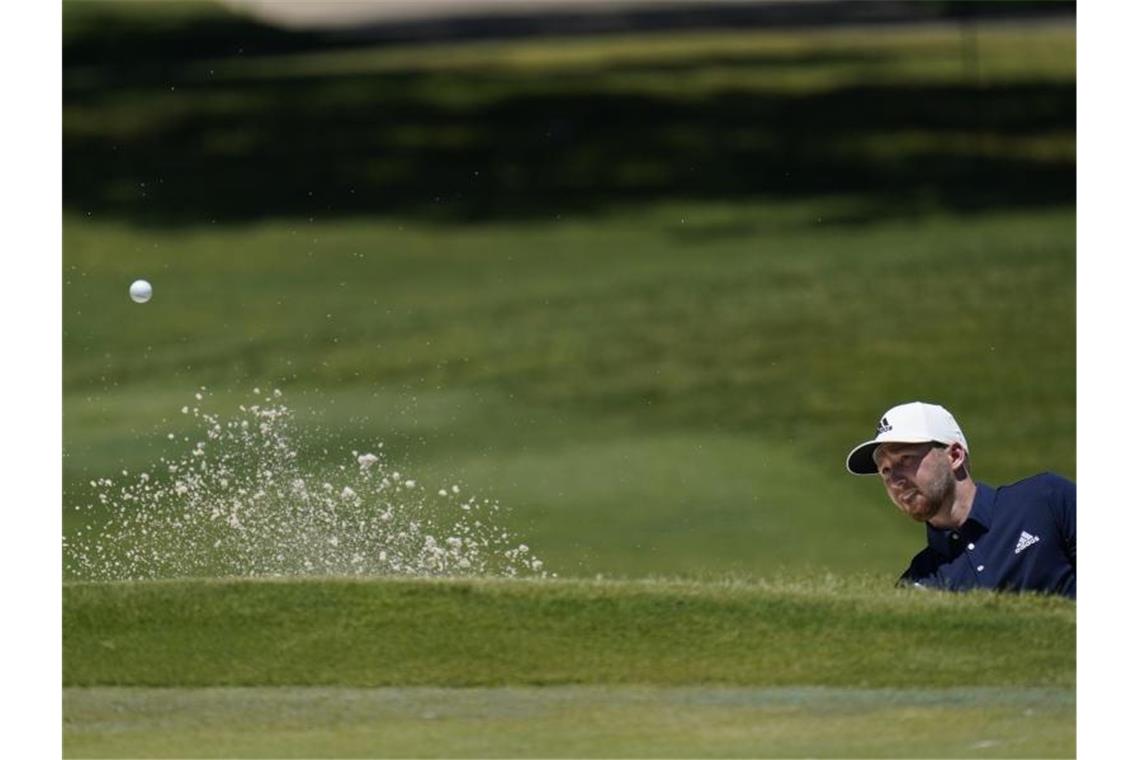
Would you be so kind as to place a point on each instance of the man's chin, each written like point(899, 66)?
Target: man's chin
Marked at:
point(918, 513)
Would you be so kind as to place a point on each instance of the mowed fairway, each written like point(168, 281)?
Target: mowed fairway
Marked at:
point(672, 409)
point(554, 668)
point(569, 721)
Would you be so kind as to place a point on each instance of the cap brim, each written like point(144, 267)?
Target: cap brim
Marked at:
point(860, 460)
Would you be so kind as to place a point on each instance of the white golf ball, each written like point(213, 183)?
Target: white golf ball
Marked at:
point(140, 291)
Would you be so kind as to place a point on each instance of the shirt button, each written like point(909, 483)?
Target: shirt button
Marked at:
point(970, 546)
point(954, 536)
point(981, 568)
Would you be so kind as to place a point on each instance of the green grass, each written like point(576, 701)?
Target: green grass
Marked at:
point(485, 632)
point(562, 721)
point(683, 406)
point(445, 667)
point(796, 61)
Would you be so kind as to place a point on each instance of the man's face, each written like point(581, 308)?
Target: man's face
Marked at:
point(918, 477)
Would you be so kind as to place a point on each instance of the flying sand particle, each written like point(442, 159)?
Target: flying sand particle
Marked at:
point(242, 507)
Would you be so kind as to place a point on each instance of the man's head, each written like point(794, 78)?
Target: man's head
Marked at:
point(920, 453)
point(921, 478)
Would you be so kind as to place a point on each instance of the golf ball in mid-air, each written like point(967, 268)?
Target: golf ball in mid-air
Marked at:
point(140, 291)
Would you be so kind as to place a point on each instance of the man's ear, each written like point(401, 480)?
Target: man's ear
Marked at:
point(957, 454)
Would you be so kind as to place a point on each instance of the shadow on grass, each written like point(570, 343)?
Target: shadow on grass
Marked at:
point(160, 144)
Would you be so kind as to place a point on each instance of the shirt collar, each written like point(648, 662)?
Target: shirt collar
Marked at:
point(982, 510)
point(977, 522)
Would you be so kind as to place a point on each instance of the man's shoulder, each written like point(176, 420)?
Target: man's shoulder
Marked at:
point(1044, 483)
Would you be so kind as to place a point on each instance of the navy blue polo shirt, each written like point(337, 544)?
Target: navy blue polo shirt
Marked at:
point(1020, 537)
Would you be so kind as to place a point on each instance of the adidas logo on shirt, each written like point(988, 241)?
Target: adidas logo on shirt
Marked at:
point(1027, 540)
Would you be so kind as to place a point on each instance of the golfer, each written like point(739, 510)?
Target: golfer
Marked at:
point(1019, 537)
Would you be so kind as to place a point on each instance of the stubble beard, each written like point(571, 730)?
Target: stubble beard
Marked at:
point(937, 494)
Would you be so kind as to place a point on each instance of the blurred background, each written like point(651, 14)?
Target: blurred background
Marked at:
point(643, 272)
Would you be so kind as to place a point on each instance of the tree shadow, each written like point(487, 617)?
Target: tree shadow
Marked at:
point(164, 143)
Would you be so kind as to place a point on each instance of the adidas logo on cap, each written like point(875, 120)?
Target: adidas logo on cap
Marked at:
point(916, 422)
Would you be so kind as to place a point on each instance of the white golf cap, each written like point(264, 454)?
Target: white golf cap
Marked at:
point(915, 422)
